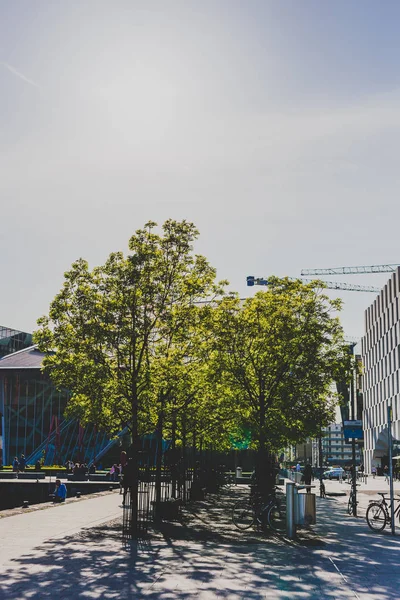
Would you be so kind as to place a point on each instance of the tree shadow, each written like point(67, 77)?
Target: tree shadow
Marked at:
point(202, 558)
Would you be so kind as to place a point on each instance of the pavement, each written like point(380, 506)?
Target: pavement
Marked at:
point(74, 550)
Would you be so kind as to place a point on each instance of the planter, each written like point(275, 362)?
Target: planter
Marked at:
point(169, 510)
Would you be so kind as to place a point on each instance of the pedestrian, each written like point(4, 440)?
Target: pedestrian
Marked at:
point(22, 463)
point(298, 468)
point(362, 472)
point(127, 479)
point(60, 492)
point(386, 473)
point(373, 471)
point(15, 464)
point(307, 475)
point(123, 460)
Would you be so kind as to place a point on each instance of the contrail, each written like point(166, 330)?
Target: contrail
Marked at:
point(18, 74)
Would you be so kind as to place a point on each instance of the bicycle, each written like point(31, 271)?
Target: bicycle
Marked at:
point(228, 480)
point(322, 489)
point(253, 510)
point(352, 500)
point(377, 514)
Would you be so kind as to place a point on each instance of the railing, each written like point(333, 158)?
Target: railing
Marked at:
point(173, 493)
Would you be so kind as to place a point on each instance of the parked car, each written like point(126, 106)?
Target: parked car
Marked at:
point(334, 473)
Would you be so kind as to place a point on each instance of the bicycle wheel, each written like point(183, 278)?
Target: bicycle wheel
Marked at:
point(376, 517)
point(350, 505)
point(243, 515)
point(229, 482)
point(276, 518)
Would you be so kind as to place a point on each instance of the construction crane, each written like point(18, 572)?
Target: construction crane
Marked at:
point(351, 270)
point(330, 285)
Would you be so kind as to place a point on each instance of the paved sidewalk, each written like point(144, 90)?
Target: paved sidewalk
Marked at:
point(366, 491)
point(340, 559)
point(22, 532)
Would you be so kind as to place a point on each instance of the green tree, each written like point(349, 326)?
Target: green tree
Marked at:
point(113, 332)
point(281, 350)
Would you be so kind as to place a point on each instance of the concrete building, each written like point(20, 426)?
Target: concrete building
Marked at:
point(335, 450)
point(381, 361)
point(304, 452)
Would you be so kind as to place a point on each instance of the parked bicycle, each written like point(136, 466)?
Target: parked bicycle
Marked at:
point(378, 515)
point(322, 489)
point(254, 510)
point(228, 480)
point(352, 501)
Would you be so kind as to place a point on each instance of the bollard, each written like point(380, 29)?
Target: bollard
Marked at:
point(290, 510)
point(296, 505)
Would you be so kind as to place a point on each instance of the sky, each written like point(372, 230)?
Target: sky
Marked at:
point(273, 126)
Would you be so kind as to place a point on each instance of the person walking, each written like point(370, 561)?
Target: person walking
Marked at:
point(307, 475)
point(373, 471)
point(127, 479)
point(386, 473)
point(22, 463)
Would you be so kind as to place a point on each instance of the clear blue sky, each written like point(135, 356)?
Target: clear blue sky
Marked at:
point(274, 126)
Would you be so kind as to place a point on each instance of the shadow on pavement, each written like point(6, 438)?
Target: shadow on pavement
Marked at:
point(204, 558)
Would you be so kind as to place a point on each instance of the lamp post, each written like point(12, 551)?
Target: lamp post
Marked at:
point(390, 444)
point(353, 441)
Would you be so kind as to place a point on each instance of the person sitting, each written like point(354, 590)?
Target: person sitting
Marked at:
point(60, 492)
point(75, 470)
point(83, 471)
point(114, 472)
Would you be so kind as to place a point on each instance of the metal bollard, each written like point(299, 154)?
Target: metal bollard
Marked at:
point(290, 510)
point(296, 506)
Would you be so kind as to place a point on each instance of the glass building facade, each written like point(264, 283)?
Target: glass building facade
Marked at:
point(12, 340)
point(32, 416)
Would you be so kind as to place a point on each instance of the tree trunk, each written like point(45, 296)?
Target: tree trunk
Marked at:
point(173, 465)
point(265, 471)
point(194, 442)
point(135, 471)
point(159, 453)
point(184, 485)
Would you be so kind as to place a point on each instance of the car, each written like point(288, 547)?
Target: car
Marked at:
point(334, 473)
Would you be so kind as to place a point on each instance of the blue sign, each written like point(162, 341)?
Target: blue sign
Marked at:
point(353, 430)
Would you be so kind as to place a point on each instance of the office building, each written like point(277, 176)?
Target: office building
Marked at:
point(381, 364)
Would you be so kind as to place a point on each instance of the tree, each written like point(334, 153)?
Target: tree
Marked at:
point(281, 350)
point(113, 332)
